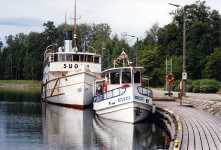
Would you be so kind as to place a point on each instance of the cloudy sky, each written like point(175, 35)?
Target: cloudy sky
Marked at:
point(131, 16)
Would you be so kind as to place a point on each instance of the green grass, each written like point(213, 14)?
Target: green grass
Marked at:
point(20, 90)
point(20, 82)
point(20, 85)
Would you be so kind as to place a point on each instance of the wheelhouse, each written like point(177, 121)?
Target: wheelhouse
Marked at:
point(123, 75)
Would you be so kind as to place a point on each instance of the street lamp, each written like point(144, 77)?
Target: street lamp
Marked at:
point(133, 36)
point(47, 48)
point(184, 73)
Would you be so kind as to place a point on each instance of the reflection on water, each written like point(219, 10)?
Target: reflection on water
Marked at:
point(20, 126)
point(119, 135)
point(67, 128)
point(32, 126)
point(20, 95)
point(75, 129)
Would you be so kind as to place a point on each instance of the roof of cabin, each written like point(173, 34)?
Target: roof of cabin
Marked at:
point(120, 68)
point(78, 53)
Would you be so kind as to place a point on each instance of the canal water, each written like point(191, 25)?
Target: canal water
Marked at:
point(26, 124)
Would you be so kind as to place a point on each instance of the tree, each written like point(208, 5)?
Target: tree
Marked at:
point(154, 64)
point(212, 68)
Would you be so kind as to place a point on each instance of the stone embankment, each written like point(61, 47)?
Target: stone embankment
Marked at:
point(207, 102)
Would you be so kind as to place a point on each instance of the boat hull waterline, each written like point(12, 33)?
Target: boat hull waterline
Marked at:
point(131, 112)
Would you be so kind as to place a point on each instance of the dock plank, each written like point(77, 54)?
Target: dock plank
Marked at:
point(200, 130)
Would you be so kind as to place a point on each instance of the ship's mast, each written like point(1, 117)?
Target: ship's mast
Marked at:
point(75, 26)
point(65, 23)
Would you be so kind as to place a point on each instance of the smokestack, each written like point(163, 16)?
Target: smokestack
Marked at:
point(68, 41)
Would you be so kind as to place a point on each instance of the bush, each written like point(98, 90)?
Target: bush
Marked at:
point(189, 86)
point(205, 86)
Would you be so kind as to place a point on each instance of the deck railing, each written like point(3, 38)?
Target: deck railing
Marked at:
point(110, 94)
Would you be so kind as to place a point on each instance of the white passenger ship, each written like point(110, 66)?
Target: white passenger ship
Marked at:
point(69, 73)
point(120, 94)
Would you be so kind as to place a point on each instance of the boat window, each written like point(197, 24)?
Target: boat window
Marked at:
point(82, 58)
point(115, 78)
point(69, 57)
point(96, 59)
point(62, 57)
point(137, 77)
point(75, 58)
point(126, 76)
point(89, 58)
point(55, 57)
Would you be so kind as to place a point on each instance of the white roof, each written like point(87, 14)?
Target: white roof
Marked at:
point(81, 53)
point(120, 68)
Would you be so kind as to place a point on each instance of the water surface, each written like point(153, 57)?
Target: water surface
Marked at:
point(26, 125)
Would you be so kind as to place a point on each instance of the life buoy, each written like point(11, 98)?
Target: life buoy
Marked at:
point(170, 78)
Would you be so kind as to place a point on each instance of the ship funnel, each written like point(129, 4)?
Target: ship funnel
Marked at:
point(68, 41)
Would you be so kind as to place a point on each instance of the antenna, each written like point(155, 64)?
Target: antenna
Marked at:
point(75, 17)
point(65, 23)
point(75, 26)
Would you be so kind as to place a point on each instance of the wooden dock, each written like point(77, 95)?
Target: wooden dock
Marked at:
point(196, 129)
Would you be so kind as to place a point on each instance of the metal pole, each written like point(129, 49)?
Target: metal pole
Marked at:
point(184, 49)
point(136, 52)
point(166, 73)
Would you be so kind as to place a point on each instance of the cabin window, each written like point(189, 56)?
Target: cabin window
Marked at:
point(137, 77)
point(75, 58)
point(82, 58)
point(69, 57)
point(89, 58)
point(115, 77)
point(126, 76)
point(55, 57)
point(96, 59)
point(63, 57)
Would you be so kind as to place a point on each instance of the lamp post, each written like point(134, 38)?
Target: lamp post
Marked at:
point(46, 50)
point(184, 73)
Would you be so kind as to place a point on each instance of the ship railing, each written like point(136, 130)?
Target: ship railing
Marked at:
point(110, 94)
point(56, 57)
point(144, 91)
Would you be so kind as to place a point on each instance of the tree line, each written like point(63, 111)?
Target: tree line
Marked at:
point(22, 58)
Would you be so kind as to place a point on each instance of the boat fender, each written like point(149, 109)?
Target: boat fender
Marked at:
point(142, 83)
point(105, 86)
point(76, 66)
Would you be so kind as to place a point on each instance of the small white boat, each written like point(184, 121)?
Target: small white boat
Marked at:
point(120, 94)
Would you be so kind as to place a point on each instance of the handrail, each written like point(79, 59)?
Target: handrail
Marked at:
point(66, 57)
point(143, 91)
point(110, 94)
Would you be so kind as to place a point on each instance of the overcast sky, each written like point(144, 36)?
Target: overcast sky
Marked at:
point(131, 16)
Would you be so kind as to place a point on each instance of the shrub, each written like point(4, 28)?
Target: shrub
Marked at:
point(189, 86)
point(205, 86)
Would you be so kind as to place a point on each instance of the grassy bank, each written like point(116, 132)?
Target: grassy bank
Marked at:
point(31, 82)
point(20, 90)
point(20, 84)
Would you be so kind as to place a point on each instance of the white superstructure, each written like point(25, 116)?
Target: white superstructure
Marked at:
point(120, 95)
